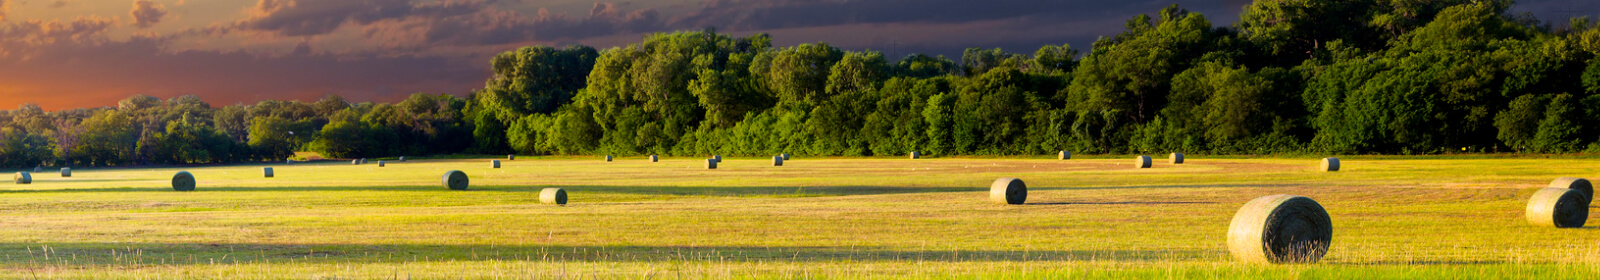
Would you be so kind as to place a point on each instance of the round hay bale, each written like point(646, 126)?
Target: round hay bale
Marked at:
point(1141, 162)
point(717, 157)
point(455, 180)
point(608, 158)
point(1562, 208)
point(777, 160)
point(355, 162)
point(1330, 164)
point(1008, 191)
point(363, 161)
point(653, 158)
point(38, 169)
point(183, 181)
point(711, 163)
point(22, 178)
point(511, 157)
point(1580, 184)
point(266, 172)
point(785, 156)
point(288, 161)
point(915, 155)
point(380, 163)
point(496, 163)
point(1280, 229)
point(402, 159)
point(66, 172)
point(1175, 158)
point(555, 196)
point(1063, 155)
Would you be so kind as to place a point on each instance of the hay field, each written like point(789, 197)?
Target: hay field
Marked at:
point(1089, 217)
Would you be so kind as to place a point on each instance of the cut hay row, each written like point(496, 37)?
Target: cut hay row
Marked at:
point(22, 178)
point(1008, 191)
point(1556, 207)
point(1280, 229)
point(555, 196)
point(1330, 164)
point(183, 181)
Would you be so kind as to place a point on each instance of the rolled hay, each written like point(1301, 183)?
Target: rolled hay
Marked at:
point(785, 156)
point(288, 161)
point(1063, 155)
point(183, 181)
point(717, 157)
point(555, 196)
point(1175, 158)
point(1330, 164)
point(266, 172)
point(22, 178)
point(355, 162)
point(1562, 208)
point(1280, 229)
point(1580, 184)
point(653, 158)
point(38, 169)
point(496, 163)
point(380, 163)
point(1141, 162)
point(915, 155)
point(66, 172)
point(455, 180)
point(511, 157)
point(711, 163)
point(777, 160)
point(608, 158)
point(1008, 191)
point(363, 161)
point(402, 159)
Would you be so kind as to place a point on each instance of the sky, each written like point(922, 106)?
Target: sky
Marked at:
point(64, 54)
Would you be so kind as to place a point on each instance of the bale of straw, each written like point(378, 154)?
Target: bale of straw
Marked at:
point(1580, 184)
point(785, 156)
point(1175, 158)
point(711, 163)
point(653, 158)
point(22, 178)
point(288, 161)
point(380, 163)
point(355, 162)
point(66, 172)
point(777, 160)
point(1063, 155)
point(555, 196)
point(1280, 229)
point(1330, 164)
point(496, 163)
point(1008, 191)
point(608, 158)
point(511, 157)
point(915, 155)
point(183, 181)
point(402, 159)
point(37, 169)
point(1141, 162)
point(455, 180)
point(717, 157)
point(1562, 208)
point(266, 172)
point(363, 161)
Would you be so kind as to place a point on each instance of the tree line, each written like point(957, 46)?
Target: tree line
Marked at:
point(1327, 77)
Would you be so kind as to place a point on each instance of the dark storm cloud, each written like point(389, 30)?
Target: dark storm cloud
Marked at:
point(305, 18)
point(774, 14)
point(146, 13)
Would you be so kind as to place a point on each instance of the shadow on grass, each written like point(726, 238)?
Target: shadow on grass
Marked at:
point(1121, 203)
point(642, 190)
point(208, 253)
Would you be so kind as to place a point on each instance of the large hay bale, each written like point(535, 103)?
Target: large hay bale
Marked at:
point(183, 181)
point(1175, 158)
point(1008, 191)
point(1562, 208)
point(511, 157)
point(66, 172)
point(496, 163)
point(1280, 229)
point(915, 155)
point(1330, 164)
point(266, 172)
point(1141, 162)
point(1580, 184)
point(711, 163)
point(380, 163)
point(608, 158)
point(1063, 155)
point(455, 180)
point(555, 196)
point(355, 162)
point(22, 178)
point(777, 160)
point(653, 158)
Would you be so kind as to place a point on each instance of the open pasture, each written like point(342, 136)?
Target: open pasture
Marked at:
point(1095, 217)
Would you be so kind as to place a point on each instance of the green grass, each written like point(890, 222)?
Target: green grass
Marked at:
point(1093, 217)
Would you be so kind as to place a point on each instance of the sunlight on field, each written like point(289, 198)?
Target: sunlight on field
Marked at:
point(834, 218)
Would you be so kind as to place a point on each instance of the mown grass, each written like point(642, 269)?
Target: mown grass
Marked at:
point(1092, 217)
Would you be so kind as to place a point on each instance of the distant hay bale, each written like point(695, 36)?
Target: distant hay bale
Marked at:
point(1330, 164)
point(653, 158)
point(1280, 229)
point(38, 169)
point(1580, 184)
point(1008, 191)
point(777, 160)
point(1141, 162)
point(717, 157)
point(455, 180)
point(1063, 155)
point(785, 156)
point(555, 196)
point(496, 163)
point(183, 181)
point(288, 161)
point(511, 157)
point(1562, 208)
point(363, 161)
point(402, 159)
point(711, 163)
point(266, 172)
point(22, 178)
point(66, 172)
point(608, 158)
point(1175, 158)
point(355, 162)
point(915, 155)
point(380, 163)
